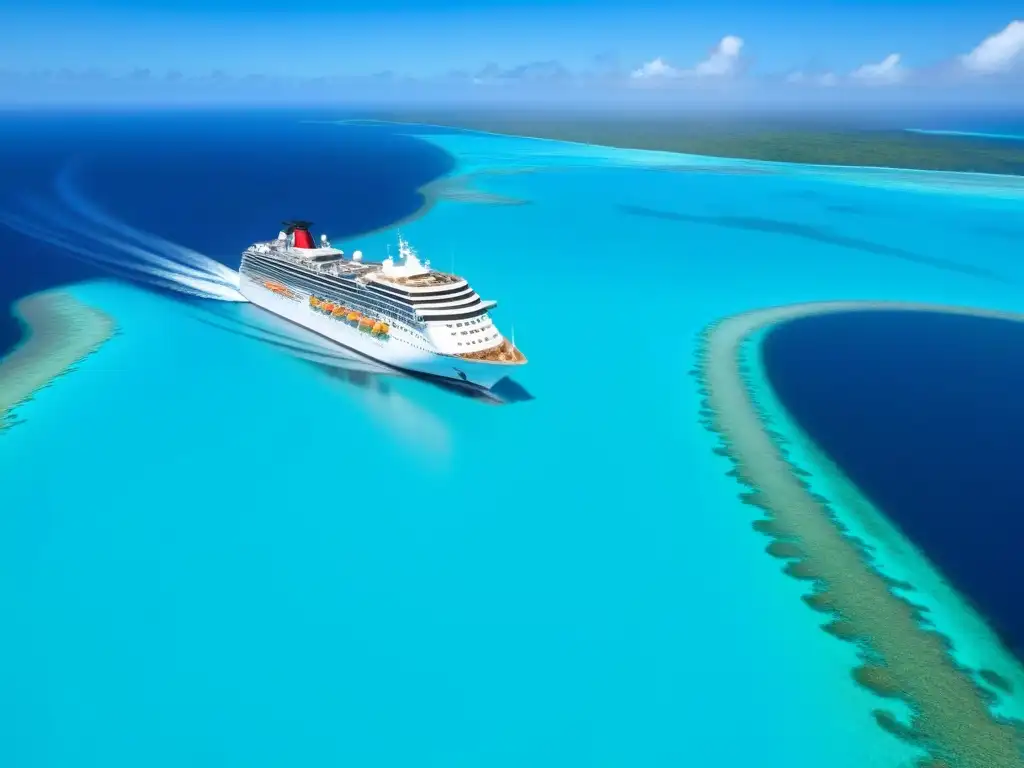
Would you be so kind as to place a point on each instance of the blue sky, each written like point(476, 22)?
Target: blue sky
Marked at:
point(428, 38)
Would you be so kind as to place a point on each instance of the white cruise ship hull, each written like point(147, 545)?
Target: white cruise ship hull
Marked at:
point(401, 349)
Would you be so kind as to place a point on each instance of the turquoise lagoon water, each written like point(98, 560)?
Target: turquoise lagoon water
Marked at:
point(216, 554)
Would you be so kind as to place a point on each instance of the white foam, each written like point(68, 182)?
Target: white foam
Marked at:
point(81, 229)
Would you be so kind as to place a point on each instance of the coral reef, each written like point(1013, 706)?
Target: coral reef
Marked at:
point(903, 658)
point(60, 332)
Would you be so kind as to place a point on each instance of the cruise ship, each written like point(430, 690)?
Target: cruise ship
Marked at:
point(399, 312)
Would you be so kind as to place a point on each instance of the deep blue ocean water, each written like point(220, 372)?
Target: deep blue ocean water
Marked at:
point(215, 553)
point(924, 413)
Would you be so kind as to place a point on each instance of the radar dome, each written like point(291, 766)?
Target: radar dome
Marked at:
point(357, 255)
point(323, 238)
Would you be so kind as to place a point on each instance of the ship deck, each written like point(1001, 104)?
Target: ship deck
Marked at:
point(428, 280)
point(505, 353)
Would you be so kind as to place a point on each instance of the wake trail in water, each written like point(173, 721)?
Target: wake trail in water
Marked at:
point(83, 230)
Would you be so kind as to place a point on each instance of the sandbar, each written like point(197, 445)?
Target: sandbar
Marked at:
point(60, 332)
point(951, 720)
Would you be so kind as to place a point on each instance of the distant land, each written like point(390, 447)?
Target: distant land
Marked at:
point(814, 142)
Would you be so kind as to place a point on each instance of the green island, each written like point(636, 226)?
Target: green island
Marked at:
point(812, 142)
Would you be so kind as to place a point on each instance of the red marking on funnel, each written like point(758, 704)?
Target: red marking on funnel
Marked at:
point(303, 239)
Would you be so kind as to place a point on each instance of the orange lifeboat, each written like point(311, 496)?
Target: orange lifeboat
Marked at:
point(353, 317)
point(314, 301)
point(328, 307)
point(376, 327)
point(384, 328)
point(338, 311)
point(365, 324)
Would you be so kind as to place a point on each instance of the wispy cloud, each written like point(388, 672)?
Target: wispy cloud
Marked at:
point(550, 71)
point(822, 79)
point(656, 68)
point(886, 72)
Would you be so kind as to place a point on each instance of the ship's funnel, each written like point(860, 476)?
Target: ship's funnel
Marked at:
point(303, 239)
point(300, 233)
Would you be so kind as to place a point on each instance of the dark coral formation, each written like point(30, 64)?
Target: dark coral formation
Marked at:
point(889, 722)
point(765, 526)
point(878, 680)
point(995, 680)
point(801, 570)
point(785, 550)
point(821, 601)
point(842, 629)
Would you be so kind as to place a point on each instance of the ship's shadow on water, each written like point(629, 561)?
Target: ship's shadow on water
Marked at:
point(340, 363)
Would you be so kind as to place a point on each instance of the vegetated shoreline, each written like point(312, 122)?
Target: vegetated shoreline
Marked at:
point(779, 142)
point(60, 331)
point(952, 720)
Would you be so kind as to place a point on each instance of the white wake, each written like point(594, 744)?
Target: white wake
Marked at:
point(84, 231)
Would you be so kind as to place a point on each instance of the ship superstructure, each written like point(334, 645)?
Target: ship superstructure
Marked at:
point(400, 312)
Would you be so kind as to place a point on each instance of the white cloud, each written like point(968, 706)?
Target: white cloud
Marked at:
point(998, 52)
point(885, 72)
point(723, 60)
point(655, 69)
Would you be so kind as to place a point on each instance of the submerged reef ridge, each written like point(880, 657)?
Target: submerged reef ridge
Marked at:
point(60, 332)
